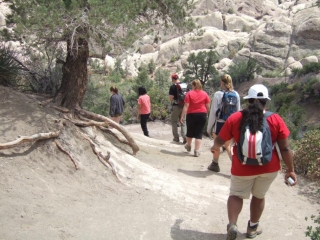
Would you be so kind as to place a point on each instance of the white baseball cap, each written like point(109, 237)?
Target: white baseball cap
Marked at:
point(258, 89)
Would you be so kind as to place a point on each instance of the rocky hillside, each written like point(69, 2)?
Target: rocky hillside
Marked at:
point(279, 35)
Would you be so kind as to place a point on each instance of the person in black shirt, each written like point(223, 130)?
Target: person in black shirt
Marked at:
point(176, 110)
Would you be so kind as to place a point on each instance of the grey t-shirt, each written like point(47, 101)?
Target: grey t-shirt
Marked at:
point(116, 105)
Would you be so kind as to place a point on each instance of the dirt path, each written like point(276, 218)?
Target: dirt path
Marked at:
point(164, 193)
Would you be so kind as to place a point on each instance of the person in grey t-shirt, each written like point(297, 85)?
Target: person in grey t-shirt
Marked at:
point(116, 104)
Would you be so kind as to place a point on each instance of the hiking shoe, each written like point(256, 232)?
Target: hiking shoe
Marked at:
point(232, 231)
point(214, 167)
point(184, 140)
point(187, 147)
point(196, 153)
point(252, 232)
point(176, 140)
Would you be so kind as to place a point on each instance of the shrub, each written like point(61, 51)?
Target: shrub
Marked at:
point(151, 66)
point(314, 234)
point(243, 71)
point(307, 155)
point(201, 66)
point(313, 67)
point(310, 88)
point(9, 67)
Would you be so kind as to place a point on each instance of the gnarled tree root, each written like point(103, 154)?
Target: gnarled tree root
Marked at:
point(35, 137)
point(66, 152)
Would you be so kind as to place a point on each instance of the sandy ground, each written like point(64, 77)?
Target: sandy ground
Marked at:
point(162, 193)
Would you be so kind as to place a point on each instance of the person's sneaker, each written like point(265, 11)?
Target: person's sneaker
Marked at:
point(176, 140)
point(232, 231)
point(187, 147)
point(184, 140)
point(214, 167)
point(252, 232)
point(196, 153)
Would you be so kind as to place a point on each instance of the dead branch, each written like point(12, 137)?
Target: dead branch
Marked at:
point(102, 157)
point(132, 143)
point(66, 152)
point(35, 137)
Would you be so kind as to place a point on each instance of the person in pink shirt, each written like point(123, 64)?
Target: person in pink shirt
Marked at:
point(144, 109)
point(196, 108)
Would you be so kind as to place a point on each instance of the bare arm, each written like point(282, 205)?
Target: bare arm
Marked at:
point(287, 158)
point(184, 111)
point(218, 142)
point(171, 98)
point(208, 107)
point(138, 112)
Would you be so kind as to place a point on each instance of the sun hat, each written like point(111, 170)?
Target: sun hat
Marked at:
point(174, 76)
point(257, 91)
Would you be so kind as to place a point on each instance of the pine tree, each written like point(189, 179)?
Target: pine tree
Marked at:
point(113, 25)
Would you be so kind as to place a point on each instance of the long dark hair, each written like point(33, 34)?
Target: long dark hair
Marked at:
point(253, 115)
point(142, 91)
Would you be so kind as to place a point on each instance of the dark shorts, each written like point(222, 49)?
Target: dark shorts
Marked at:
point(218, 127)
point(195, 124)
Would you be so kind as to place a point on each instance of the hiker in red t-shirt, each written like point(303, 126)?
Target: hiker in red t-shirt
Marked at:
point(253, 179)
point(196, 107)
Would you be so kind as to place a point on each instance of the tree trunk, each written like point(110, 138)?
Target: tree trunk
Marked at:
point(75, 74)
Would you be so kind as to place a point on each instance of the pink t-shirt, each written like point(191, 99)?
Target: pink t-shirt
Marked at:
point(145, 104)
point(230, 130)
point(197, 100)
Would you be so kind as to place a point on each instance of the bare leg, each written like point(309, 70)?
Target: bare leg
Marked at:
point(256, 209)
point(234, 208)
point(197, 144)
point(189, 141)
point(116, 119)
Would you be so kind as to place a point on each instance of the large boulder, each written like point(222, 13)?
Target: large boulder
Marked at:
point(307, 28)
point(308, 60)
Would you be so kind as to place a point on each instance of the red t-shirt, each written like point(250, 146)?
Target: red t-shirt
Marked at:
point(231, 129)
point(197, 100)
point(145, 104)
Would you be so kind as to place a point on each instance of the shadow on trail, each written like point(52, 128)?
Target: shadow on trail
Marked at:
point(182, 154)
point(183, 234)
point(203, 174)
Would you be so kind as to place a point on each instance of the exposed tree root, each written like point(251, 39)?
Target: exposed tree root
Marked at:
point(66, 152)
point(132, 143)
point(85, 119)
point(61, 109)
point(106, 130)
point(45, 102)
point(102, 157)
point(35, 137)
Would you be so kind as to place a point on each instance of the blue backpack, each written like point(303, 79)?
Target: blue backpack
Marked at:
point(256, 149)
point(229, 104)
